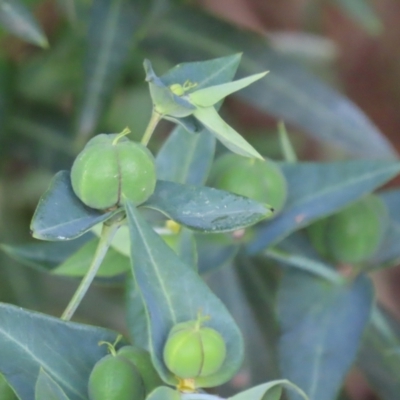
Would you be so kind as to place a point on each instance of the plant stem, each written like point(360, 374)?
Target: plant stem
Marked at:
point(154, 120)
point(106, 237)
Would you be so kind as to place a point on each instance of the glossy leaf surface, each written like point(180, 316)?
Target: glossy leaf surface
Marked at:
point(68, 351)
point(288, 93)
point(205, 209)
point(47, 389)
point(60, 215)
point(173, 292)
point(320, 189)
point(18, 20)
point(321, 328)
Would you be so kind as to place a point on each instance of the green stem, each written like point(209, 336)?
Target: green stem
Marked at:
point(154, 120)
point(106, 237)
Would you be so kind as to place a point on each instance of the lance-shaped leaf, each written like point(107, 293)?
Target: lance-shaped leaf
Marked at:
point(206, 209)
point(6, 390)
point(17, 19)
point(320, 189)
point(112, 24)
point(172, 293)
point(269, 391)
point(210, 118)
point(290, 93)
point(47, 388)
point(211, 95)
point(66, 350)
point(186, 158)
point(44, 256)
point(321, 328)
point(379, 355)
point(60, 215)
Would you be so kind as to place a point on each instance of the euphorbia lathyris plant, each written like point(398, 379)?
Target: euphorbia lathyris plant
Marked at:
point(192, 340)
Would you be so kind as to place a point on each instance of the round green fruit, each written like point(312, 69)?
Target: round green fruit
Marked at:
point(109, 170)
point(354, 234)
point(115, 378)
point(257, 179)
point(193, 351)
point(142, 361)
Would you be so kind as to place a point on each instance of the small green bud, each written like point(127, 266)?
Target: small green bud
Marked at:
point(193, 351)
point(110, 168)
point(177, 89)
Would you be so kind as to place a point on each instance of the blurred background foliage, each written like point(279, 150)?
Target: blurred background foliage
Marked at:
point(73, 68)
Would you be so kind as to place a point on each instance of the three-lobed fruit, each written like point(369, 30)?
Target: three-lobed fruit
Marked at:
point(111, 168)
point(257, 179)
point(354, 234)
point(115, 378)
point(194, 351)
point(142, 361)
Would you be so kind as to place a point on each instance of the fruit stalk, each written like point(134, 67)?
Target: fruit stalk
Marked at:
point(106, 237)
point(154, 120)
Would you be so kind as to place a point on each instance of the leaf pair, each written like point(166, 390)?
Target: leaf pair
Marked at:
point(196, 97)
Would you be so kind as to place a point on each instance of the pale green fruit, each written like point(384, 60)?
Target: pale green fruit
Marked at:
point(193, 351)
point(105, 173)
point(354, 234)
point(115, 378)
point(142, 361)
point(260, 180)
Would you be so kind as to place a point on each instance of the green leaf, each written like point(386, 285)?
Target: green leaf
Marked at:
point(44, 256)
point(186, 158)
point(290, 93)
point(164, 393)
point(362, 12)
point(174, 293)
point(5, 390)
point(210, 118)
point(18, 20)
point(320, 189)
point(211, 95)
point(60, 215)
point(269, 391)
point(66, 350)
point(321, 328)
point(205, 209)
point(110, 36)
point(47, 389)
point(214, 252)
point(379, 355)
point(77, 264)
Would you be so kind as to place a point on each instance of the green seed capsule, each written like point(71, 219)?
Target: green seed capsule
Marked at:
point(142, 361)
point(193, 351)
point(354, 234)
point(115, 378)
point(108, 170)
point(257, 179)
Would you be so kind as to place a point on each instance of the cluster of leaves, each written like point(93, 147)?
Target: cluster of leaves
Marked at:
point(312, 323)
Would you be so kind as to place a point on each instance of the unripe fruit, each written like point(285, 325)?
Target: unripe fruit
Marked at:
point(193, 351)
point(354, 234)
point(107, 170)
point(142, 361)
point(115, 378)
point(257, 179)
